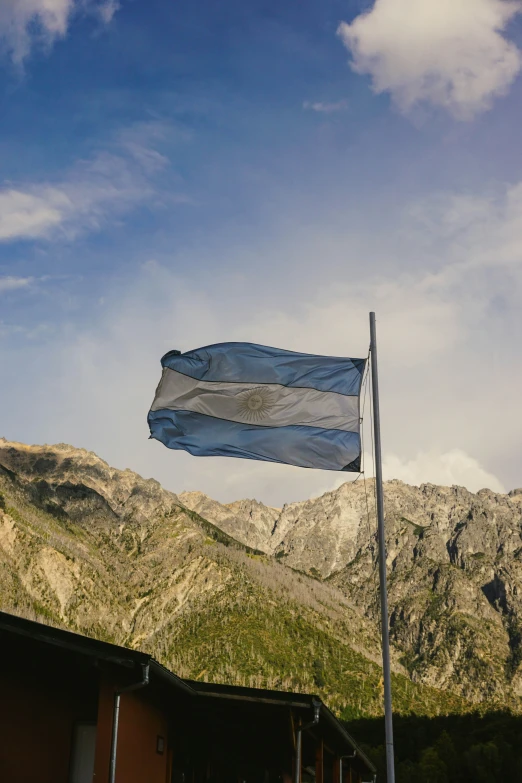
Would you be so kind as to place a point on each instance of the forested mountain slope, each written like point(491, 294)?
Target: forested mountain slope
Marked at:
point(279, 598)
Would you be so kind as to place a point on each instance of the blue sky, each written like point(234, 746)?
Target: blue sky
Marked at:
point(180, 173)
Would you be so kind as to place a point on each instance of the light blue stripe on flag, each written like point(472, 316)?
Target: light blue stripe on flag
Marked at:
point(306, 447)
point(240, 362)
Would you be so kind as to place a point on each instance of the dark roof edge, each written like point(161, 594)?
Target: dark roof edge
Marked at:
point(69, 640)
point(170, 677)
point(260, 695)
point(254, 699)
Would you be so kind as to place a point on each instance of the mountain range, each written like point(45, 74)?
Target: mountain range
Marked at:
point(282, 598)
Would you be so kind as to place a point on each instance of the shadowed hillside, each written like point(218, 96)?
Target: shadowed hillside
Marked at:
point(448, 749)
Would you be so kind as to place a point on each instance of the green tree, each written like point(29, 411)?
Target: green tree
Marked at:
point(484, 763)
point(378, 756)
point(447, 753)
point(318, 673)
point(508, 759)
point(432, 769)
point(408, 772)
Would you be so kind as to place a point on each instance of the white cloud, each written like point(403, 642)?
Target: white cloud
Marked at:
point(450, 53)
point(326, 108)
point(9, 283)
point(452, 467)
point(31, 214)
point(26, 23)
point(106, 185)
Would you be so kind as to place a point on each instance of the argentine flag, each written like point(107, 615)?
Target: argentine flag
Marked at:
point(250, 401)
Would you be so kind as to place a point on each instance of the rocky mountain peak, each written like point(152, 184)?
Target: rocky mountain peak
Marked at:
point(50, 469)
point(454, 560)
point(247, 521)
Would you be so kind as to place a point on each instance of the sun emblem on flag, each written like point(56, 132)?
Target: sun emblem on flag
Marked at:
point(254, 404)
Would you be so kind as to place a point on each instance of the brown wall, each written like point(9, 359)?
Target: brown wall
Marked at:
point(36, 725)
point(139, 726)
point(39, 708)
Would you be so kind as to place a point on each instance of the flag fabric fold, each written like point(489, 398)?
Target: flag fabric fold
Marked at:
point(251, 401)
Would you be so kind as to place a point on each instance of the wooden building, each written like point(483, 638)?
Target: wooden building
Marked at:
point(77, 710)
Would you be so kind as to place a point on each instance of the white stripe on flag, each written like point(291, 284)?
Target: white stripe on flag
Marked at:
point(267, 405)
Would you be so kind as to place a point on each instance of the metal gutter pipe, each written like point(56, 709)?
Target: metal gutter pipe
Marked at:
point(350, 756)
point(332, 720)
point(314, 722)
point(116, 716)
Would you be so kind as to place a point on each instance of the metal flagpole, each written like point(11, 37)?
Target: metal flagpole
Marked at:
point(388, 719)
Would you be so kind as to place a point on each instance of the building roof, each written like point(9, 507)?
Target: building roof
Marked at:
point(284, 699)
point(123, 656)
point(84, 645)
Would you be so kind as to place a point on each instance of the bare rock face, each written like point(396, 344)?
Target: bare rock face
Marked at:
point(321, 535)
point(455, 572)
point(246, 520)
point(455, 585)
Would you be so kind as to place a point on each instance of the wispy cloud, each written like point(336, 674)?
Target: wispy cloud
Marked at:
point(107, 9)
point(28, 23)
point(450, 54)
point(10, 283)
point(35, 333)
point(109, 184)
point(326, 108)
